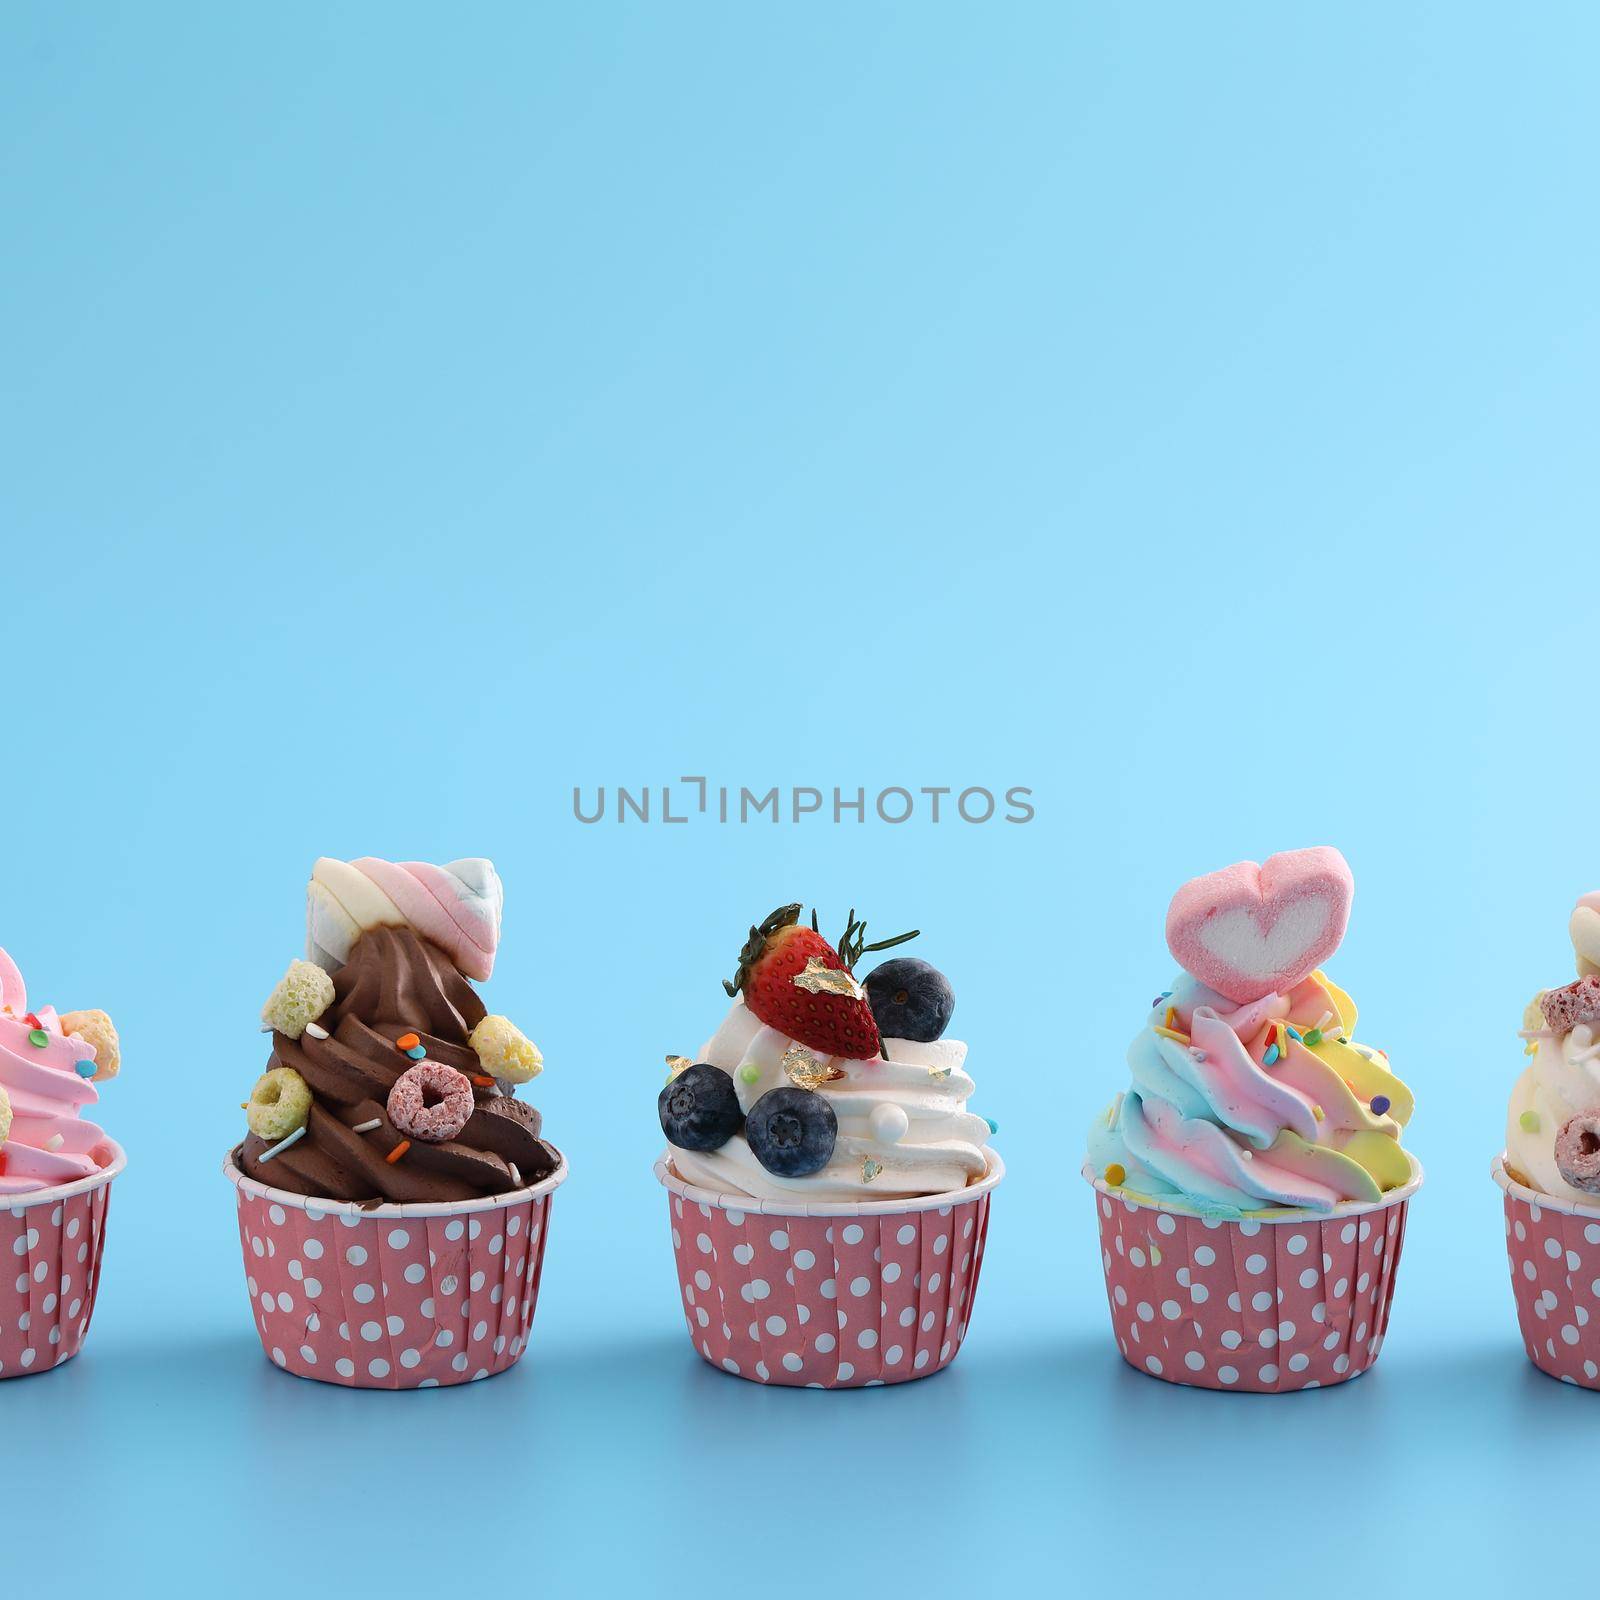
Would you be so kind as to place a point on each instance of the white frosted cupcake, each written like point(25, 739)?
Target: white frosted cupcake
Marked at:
point(821, 1098)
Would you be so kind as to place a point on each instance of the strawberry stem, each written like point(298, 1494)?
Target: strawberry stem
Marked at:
point(853, 945)
point(783, 917)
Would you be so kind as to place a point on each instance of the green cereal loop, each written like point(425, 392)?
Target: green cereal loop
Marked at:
point(279, 1103)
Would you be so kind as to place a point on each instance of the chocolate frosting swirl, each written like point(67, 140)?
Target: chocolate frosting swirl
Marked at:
point(396, 983)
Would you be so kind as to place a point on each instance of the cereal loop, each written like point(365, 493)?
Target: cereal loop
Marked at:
point(505, 1051)
point(98, 1031)
point(279, 1103)
point(431, 1102)
point(303, 993)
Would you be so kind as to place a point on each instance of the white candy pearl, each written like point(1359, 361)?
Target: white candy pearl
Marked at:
point(889, 1123)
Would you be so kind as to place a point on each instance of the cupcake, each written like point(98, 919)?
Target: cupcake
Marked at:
point(828, 1188)
point(1252, 1190)
point(56, 1168)
point(1550, 1170)
point(393, 1190)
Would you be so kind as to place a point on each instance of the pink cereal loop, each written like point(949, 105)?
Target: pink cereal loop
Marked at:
point(450, 1094)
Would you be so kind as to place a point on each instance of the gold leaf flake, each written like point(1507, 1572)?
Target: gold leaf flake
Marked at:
point(869, 1169)
point(820, 978)
point(677, 1064)
point(806, 1069)
point(938, 1074)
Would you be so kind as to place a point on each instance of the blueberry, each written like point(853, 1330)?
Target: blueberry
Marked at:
point(792, 1132)
point(910, 999)
point(699, 1109)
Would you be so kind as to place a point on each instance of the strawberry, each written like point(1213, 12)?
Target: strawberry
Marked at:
point(831, 1017)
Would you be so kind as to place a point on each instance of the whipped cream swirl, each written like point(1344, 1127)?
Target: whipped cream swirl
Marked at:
point(904, 1130)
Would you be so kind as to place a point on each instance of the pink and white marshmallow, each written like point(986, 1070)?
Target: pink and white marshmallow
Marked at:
point(456, 906)
point(1252, 930)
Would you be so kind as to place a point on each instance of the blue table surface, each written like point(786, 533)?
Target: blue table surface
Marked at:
point(409, 418)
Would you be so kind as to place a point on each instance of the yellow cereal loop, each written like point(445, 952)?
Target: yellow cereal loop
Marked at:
point(303, 993)
point(96, 1028)
point(280, 1103)
point(505, 1051)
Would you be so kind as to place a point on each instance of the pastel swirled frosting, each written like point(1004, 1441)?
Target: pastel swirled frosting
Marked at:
point(1239, 1108)
point(48, 1142)
point(456, 907)
point(939, 1145)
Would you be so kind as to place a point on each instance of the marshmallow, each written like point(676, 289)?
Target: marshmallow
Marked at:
point(1250, 930)
point(456, 907)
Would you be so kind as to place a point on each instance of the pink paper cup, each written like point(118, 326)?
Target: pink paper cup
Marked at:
point(51, 1243)
point(842, 1296)
point(393, 1296)
point(1298, 1300)
point(1554, 1250)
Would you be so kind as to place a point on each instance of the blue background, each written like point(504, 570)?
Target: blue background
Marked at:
point(408, 414)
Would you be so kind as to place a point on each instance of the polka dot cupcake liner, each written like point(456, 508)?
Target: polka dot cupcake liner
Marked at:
point(828, 1296)
point(51, 1244)
point(1296, 1301)
point(394, 1296)
point(1554, 1250)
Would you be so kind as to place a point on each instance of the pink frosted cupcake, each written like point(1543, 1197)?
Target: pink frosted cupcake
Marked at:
point(394, 1191)
point(1252, 1190)
point(56, 1169)
point(828, 1188)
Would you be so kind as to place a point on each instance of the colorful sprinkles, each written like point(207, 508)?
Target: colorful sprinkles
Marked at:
point(283, 1144)
point(1379, 1104)
point(398, 1151)
point(1529, 1121)
point(84, 1069)
point(1116, 1174)
point(38, 1038)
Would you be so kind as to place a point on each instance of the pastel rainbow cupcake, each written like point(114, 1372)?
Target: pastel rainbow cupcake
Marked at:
point(1252, 1188)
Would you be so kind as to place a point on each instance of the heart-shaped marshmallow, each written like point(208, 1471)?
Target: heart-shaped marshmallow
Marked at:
point(1251, 930)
